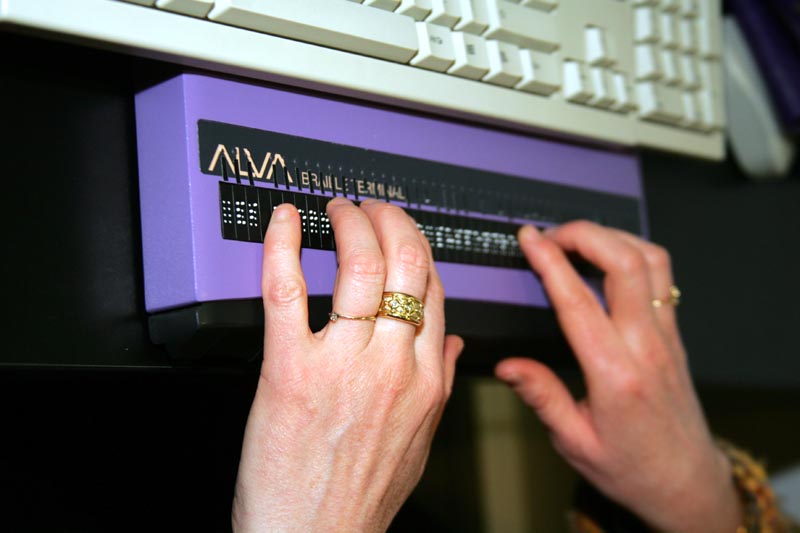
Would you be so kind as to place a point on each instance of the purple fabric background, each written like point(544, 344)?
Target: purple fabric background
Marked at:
point(187, 261)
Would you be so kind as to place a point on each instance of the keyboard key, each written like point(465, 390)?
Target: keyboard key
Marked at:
point(709, 36)
point(623, 98)
point(689, 8)
point(545, 5)
point(343, 25)
point(444, 13)
point(596, 49)
point(471, 60)
point(710, 75)
point(648, 66)
point(474, 18)
point(541, 72)
point(688, 35)
point(711, 111)
point(504, 64)
point(601, 86)
point(645, 20)
point(416, 9)
point(670, 5)
point(194, 8)
point(669, 66)
point(669, 31)
point(691, 111)
point(659, 102)
point(577, 87)
point(435, 47)
point(527, 28)
point(387, 5)
point(689, 71)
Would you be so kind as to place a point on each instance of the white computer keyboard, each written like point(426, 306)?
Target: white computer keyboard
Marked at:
point(622, 72)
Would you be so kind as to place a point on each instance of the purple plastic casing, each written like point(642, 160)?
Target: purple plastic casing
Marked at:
point(187, 261)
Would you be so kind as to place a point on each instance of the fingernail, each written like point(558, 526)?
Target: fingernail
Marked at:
point(508, 376)
point(549, 230)
point(460, 343)
point(529, 233)
point(282, 212)
point(339, 200)
point(369, 201)
point(336, 203)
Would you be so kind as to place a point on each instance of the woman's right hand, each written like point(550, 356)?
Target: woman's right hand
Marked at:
point(342, 420)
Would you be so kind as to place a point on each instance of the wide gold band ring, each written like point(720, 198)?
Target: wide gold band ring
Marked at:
point(673, 299)
point(402, 307)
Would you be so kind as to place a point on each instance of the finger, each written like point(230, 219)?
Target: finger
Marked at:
point(430, 335)
point(585, 323)
point(453, 346)
point(661, 278)
point(362, 270)
point(628, 289)
point(283, 286)
point(546, 394)
point(407, 262)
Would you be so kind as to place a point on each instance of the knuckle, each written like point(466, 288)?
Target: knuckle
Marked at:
point(412, 258)
point(277, 247)
point(630, 384)
point(539, 398)
point(289, 381)
point(432, 395)
point(580, 301)
point(657, 354)
point(659, 257)
point(365, 264)
point(632, 261)
point(394, 383)
point(284, 290)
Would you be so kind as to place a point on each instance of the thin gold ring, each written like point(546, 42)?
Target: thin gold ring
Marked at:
point(673, 299)
point(334, 316)
point(401, 306)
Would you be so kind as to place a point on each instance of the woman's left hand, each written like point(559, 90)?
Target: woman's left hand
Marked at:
point(639, 435)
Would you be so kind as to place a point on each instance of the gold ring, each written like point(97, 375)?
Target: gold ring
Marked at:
point(334, 316)
point(402, 307)
point(673, 299)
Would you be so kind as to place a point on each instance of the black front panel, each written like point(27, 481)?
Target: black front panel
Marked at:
point(469, 216)
point(295, 164)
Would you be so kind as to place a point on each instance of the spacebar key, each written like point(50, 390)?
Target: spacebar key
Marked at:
point(334, 23)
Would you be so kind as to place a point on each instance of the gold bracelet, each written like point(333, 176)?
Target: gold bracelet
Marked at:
point(759, 505)
point(760, 511)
